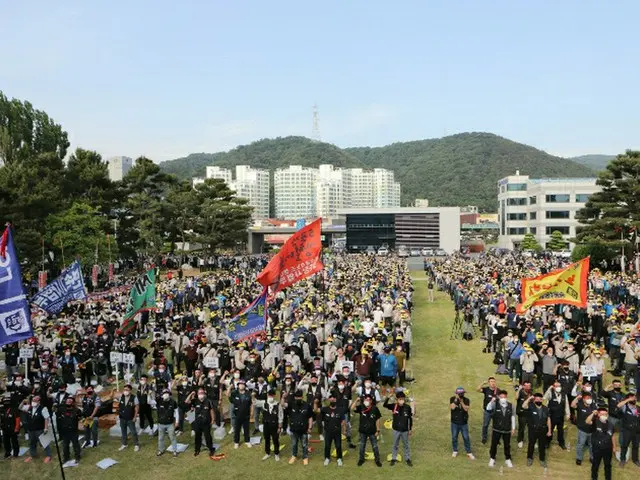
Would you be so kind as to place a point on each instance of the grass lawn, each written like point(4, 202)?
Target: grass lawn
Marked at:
point(440, 365)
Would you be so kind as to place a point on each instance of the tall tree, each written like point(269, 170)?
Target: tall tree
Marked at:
point(87, 180)
point(557, 241)
point(529, 242)
point(611, 217)
point(25, 132)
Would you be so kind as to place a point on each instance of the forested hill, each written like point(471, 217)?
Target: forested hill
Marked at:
point(460, 169)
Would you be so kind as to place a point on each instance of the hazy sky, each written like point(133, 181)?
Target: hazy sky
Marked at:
point(167, 78)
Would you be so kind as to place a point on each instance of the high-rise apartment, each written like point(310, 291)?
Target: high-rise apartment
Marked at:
point(295, 192)
point(119, 167)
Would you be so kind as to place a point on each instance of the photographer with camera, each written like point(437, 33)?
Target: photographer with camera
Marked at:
point(459, 405)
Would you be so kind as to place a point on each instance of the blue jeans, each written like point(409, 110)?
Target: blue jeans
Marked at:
point(584, 440)
point(304, 440)
point(128, 425)
point(486, 420)
point(460, 429)
point(374, 445)
point(171, 432)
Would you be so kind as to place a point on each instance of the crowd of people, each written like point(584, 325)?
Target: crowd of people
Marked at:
point(335, 351)
point(550, 361)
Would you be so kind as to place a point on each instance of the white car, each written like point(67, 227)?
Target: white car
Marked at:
point(383, 251)
point(403, 252)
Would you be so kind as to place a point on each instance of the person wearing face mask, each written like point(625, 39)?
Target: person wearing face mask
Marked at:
point(37, 423)
point(490, 391)
point(630, 428)
point(504, 426)
point(10, 425)
point(272, 425)
point(301, 420)
point(333, 419)
point(101, 367)
point(67, 418)
point(288, 390)
point(204, 418)
point(212, 385)
point(167, 421)
point(91, 404)
point(584, 407)
point(69, 365)
point(603, 441)
point(459, 406)
point(161, 377)
point(369, 426)
point(402, 425)
point(260, 397)
point(241, 402)
point(127, 413)
point(184, 390)
point(523, 393)
point(144, 394)
point(539, 426)
point(614, 395)
point(558, 404)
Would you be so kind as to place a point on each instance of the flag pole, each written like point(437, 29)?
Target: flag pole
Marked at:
point(622, 250)
point(64, 265)
point(55, 438)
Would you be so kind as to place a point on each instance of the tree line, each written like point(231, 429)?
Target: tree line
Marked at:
point(66, 207)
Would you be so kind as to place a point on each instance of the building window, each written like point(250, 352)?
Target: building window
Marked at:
point(558, 198)
point(516, 202)
point(533, 215)
point(558, 214)
point(533, 230)
point(517, 216)
point(517, 187)
point(582, 197)
point(533, 200)
point(562, 230)
point(517, 231)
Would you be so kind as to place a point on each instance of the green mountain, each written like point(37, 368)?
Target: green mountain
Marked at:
point(596, 162)
point(459, 169)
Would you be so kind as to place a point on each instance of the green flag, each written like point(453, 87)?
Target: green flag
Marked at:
point(142, 297)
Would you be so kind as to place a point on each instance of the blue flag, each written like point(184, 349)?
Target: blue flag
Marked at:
point(15, 316)
point(300, 223)
point(67, 287)
point(251, 321)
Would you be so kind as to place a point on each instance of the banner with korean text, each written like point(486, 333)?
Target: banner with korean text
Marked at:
point(298, 259)
point(251, 321)
point(69, 286)
point(566, 286)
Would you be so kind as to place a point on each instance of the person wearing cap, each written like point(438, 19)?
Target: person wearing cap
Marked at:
point(459, 406)
point(167, 421)
point(388, 370)
point(528, 362)
point(301, 423)
point(603, 441)
point(584, 406)
point(630, 428)
point(242, 404)
point(539, 426)
point(272, 417)
point(91, 404)
point(204, 417)
point(504, 426)
point(369, 426)
point(489, 390)
point(401, 426)
point(334, 424)
point(37, 422)
point(10, 425)
point(127, 413)
point(67, 418)
point(631, 352)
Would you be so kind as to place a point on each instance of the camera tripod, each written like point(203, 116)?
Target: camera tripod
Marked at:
point(456, 331)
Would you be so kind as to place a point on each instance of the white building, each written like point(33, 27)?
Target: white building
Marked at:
point(540, 206)
point(386, 192)
point(329, 191)
point(249, 183)
point(358, 188)
point(119, 167)
point(295, 192)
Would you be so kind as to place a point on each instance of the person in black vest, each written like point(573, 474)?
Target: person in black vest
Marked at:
point(539, 426)
point(524, 392)
point(602, 440)
point(504, 426)
point(67, 418)
point(241, 402)
point(69, 365)
point(558, 404)
point(91, 404)
point(127, 413)
point(401, 426)
point(184, 390)
point(301, 422)
point(272, 417)
point(204, 418)
point(10, 423)
point(212, 387)
point(260, 396)
point(167, 421)
point(584, 407)
point(37, 420)
point(630, 423)
point(369, 427)
point(614, 395)
point(145, 391)
point(333, 418)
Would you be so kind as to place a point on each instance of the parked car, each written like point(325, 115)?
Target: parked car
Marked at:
point(415, 252)
point(426, 252)
point(370, 250)
point(438, 252)
point(383, 251)
point(403, 252)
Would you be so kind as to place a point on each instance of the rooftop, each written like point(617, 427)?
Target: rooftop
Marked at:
point(563, 180)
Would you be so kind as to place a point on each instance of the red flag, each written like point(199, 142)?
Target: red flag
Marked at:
point(111, 272)
point(42, 279)
point(3, 243)
point(298, 259)
point(94, 275)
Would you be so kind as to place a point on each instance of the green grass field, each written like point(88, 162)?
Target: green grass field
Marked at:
point(439, 365)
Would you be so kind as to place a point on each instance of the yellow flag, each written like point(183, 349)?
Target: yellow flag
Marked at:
point(566, 286)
